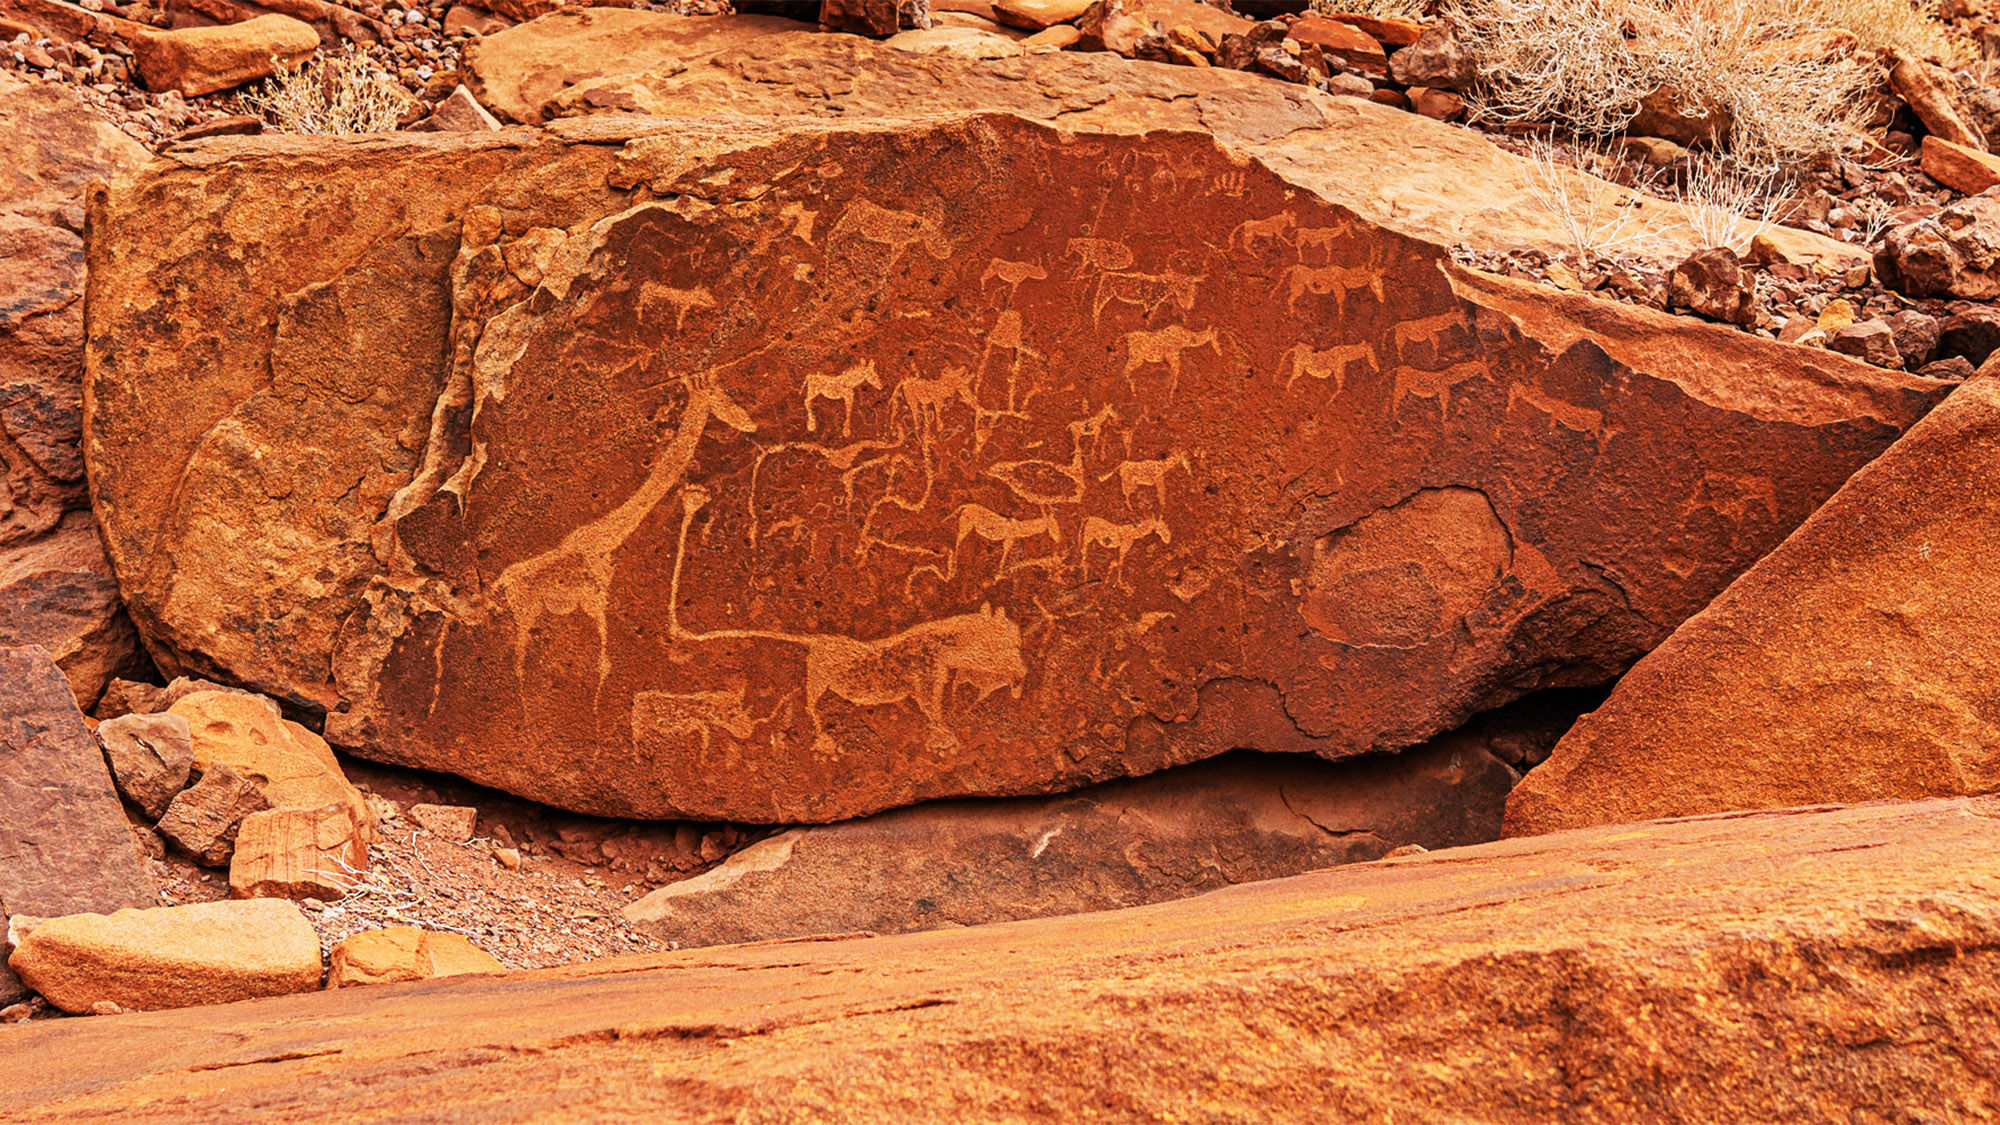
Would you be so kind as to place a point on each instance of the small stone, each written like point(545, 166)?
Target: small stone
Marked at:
point(297, 853)
point(460, 113)
point(1916, 336)
point(1437, 60)
point(203, 820)
point(1955, 368)
point(106, 1008)
point(1870, 341)
point(405, 953)
point(1439, 105)
point(1037, 15)
point(1712, 283)
point(509, 858)
point(1838, 314)
point(151, 757)
point(447, 822)
point(16, 1013)
point(1406, 849)
point(1344, 45)
point(1960, 167)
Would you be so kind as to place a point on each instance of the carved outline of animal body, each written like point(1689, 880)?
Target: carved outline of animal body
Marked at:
point(976, 519)
point(1135, 475)
point(1165, 345)
point(533, 589)
point(839, 388)
point(1120, 537)
point(922, 664)
point(1334, 281)
point(1331, 363)
point(663, 714)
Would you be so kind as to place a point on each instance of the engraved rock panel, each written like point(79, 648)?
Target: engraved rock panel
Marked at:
point(801, 472)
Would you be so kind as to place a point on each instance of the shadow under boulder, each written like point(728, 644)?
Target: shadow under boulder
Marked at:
point(1239, 818)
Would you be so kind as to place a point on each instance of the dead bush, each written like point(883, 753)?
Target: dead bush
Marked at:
point(1790, 79)
point(330, 94)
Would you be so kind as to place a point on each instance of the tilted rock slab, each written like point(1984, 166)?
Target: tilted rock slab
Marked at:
point(798, 474)
point(1234, 819)
point(65, 846)
point(1855, 662)
point(1751, 968)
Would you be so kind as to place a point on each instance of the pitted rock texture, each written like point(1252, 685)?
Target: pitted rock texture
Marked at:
point(1771, 967)
point(1235, 819)
point(759, 477)
point(56, 589)
point(1855, 662)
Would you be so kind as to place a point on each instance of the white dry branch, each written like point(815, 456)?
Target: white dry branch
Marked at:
point(1726, 205)
point(1599, 219)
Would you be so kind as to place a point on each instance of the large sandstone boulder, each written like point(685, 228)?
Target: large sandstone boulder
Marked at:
point(1855, 662)
point(1840, 964)
point(671, 470)
point(171, 956)
point(1236, 819)
point(56, 589)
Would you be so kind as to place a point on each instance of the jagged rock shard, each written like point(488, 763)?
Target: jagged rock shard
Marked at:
point(800, 483)
point(65, 846)
point(1732, 969)
point(1855, 662)
point(1169, 835)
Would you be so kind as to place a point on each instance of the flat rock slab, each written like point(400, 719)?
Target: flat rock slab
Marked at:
point(1753, 967)
point(1855, 662)
point(758, 476)
point(1234, 819)
point(171, 956)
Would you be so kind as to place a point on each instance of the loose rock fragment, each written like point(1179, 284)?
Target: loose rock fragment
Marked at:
point(447, 822)
point(290, 765)
point(203, 820)
point(151, 758)
point(401, 953)
point(171, 956)
point(297, 853)
point(202, 60)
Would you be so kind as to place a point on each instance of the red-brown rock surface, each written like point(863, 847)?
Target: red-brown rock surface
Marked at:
point(56, 589)
point(1855, 662)
point(1771, 967)
point(763, 477)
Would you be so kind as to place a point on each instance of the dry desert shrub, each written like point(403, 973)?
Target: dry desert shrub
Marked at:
point(1725, 206)
point(1786, 80)
point(1595, 226)
point(1384, 9)
point(330, 94)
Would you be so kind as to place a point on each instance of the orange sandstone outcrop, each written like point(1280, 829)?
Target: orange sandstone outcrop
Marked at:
point(1764, 967)
point(1854, 662)
point(790, 474)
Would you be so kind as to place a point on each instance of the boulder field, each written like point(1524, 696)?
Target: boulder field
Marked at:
point(798, 471)
point(1765, 967)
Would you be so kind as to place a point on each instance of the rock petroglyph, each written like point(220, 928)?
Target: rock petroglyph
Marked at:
point(800, 485)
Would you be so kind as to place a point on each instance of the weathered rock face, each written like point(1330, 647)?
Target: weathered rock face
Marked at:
point(877, 487)
point(1855, 662)
point(297, 853)
point(1742, 968)
point(56, 589)
point(291, 766)
point(965, 863)
point(1425, 179)
point(150, 758)
point(171, 956)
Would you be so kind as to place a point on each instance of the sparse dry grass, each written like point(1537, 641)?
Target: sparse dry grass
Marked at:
point(1594, 227)
point(330, 94)
point(1586, 65)
point(1725, 206)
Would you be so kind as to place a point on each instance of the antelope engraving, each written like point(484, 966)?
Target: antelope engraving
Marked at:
point(840, 388)
point(1164, 345)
